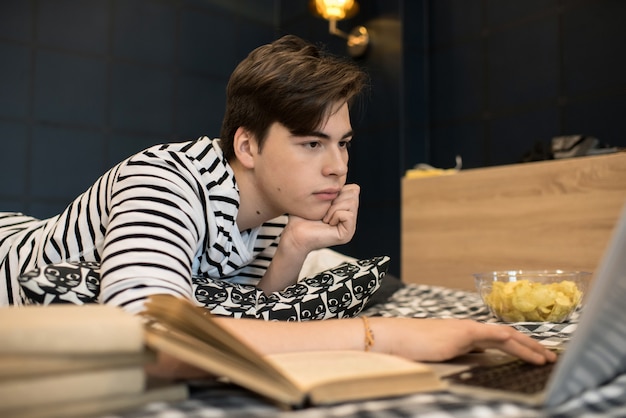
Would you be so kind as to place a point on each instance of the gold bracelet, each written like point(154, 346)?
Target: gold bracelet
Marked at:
point(369, 335)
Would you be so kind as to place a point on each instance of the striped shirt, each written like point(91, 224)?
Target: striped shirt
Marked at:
point(156, 222)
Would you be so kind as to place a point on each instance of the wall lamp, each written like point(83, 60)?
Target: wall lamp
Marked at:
point(334, 10)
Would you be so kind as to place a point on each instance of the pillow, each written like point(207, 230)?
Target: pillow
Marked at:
point(389, 285)
point(65, 282)
point(338, 292)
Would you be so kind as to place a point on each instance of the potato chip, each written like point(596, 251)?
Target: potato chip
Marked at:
point(523, 300)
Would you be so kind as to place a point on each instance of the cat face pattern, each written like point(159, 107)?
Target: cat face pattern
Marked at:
point(76, 283)
point(339, 292)
point(342, 291)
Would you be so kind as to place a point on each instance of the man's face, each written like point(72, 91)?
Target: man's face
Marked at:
point(302, 175)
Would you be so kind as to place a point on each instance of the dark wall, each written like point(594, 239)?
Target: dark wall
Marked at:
point(84, 84)
point(504, 77)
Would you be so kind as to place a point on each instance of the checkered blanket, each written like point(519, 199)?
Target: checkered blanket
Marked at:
point(420, 302)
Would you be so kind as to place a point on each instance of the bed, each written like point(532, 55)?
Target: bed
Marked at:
point(575, 201)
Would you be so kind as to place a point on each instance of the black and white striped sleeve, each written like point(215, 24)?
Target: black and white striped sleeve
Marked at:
point(155, 225)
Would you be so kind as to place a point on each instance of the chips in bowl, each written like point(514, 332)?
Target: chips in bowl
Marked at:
point(532, 296)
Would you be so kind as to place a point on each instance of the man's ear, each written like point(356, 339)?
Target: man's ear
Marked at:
point(245, 147)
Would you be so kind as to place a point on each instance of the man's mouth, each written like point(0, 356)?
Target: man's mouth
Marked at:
point(327, 194)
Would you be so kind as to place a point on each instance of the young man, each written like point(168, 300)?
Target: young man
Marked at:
point(176, 214)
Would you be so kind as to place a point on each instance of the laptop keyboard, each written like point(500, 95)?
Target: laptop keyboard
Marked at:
point(515, 376)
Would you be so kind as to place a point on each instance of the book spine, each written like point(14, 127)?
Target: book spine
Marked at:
point(15, 366)
point(121, 337)
point(69, 329)
point(103, 405)
point(69, 387)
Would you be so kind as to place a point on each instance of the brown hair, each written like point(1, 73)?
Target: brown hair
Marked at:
point(289, 81)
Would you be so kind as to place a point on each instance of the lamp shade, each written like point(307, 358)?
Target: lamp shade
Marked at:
point(334, 9)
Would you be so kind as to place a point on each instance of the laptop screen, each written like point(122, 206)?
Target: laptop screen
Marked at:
point(597, 351)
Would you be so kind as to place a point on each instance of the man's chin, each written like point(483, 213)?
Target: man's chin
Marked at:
point(312, 218)
point(311, 215)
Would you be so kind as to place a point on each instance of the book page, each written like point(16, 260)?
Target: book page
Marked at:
point(339, 376)
point(313, 368)
point(245, 372)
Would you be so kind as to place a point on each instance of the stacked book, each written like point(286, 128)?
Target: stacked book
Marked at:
point(70, 360)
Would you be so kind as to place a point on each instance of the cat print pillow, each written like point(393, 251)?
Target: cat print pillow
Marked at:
point(338, 292)
point(66, 282)
point(341, 291)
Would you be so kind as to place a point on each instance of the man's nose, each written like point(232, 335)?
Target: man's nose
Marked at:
point(336, 163)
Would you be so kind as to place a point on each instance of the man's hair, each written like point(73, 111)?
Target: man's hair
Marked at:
point(289, 81)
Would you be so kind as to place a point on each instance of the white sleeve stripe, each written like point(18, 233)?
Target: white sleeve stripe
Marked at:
point(183, 263)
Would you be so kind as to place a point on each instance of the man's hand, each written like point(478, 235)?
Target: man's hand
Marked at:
point(336, 227)
point(443, 339)
point(301, 236)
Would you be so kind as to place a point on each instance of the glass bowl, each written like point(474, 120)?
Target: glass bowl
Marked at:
point(532, 295)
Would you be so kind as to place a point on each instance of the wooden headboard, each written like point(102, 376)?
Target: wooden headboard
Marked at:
point(539, 215)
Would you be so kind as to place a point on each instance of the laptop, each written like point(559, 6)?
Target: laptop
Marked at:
point(595, 354)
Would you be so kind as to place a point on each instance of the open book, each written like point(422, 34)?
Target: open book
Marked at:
point(293, 379)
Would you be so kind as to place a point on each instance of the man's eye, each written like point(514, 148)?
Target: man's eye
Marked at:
point(313, 144)
point(345, 144)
